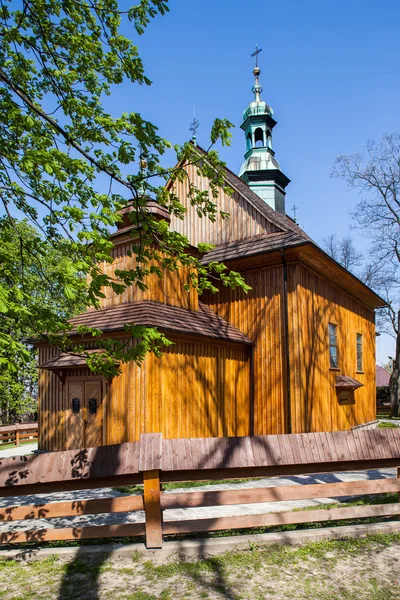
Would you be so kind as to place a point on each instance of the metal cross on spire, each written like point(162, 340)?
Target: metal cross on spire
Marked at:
point(194, 125)
point(256, 53)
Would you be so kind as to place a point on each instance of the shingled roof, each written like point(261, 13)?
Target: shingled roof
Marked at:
point(67, 360)
point(174, 319)
point(258, 244)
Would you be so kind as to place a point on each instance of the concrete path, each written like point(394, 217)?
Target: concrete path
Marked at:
point(189, 513)
point(18, 450)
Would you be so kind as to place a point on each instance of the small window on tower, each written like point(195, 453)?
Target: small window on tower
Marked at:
point(333, 346)
point(259, 137)
point(359, 352)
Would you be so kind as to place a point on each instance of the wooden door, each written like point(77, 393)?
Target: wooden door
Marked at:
point(84, 413)
point(93, 413)
point(74, 420)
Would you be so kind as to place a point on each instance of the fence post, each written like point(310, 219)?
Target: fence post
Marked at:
point(16, 437)
point(152, 508)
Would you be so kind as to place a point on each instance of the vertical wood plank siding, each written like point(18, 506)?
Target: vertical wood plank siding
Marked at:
point(244, 220)
point(198, 389)
point(258, 315)
point(168, 289)
point(313, 303)
point(195, 390)
point(51, 434)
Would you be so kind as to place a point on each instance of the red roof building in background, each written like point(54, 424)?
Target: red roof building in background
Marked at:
point(382, 377)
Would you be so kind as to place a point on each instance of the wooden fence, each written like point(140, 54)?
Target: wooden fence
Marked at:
point(383, 409)
point(15, 434)
point(154, 461)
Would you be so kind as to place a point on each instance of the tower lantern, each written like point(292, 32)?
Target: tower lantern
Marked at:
point(261, 170)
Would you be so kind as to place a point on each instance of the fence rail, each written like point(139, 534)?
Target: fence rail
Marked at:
point(15, 434)
point(383, 409)
point(153, 461)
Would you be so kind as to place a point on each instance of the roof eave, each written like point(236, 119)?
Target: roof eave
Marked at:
point(259, 252)
point(119, 330)
point(381, 303)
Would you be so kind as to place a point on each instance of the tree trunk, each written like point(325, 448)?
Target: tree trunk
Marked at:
point(394, 383)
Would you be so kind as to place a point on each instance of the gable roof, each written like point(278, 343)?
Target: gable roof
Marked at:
point(282, 222)
point(290, 236)
point(204, 322)
point(382, 377)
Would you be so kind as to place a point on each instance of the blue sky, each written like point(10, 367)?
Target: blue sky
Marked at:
point(330, 70)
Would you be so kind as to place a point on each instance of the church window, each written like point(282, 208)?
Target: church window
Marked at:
point(333, 346)
point(259, 137)
point(359, 352)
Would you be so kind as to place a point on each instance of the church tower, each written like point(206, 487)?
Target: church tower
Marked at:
point(261, 170)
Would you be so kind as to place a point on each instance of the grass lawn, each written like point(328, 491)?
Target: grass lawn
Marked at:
point(138, 489)
point(386, 416)
point(366, 569)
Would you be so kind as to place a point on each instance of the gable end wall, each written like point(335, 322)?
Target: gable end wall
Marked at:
point(244, 220)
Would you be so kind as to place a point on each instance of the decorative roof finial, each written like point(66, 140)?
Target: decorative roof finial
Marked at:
point(194, 125)
point(257, 89)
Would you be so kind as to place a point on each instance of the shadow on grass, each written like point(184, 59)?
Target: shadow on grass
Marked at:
point(81, 578)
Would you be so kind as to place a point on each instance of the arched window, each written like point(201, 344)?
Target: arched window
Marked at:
point(259, 137)
point(248, 141)
point(269, 139)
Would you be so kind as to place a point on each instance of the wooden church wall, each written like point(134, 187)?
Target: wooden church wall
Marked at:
point(168, 289)
point(197, 389)
point(313, 304)
point(50, 405)
point(244, 220)
point(259, 315)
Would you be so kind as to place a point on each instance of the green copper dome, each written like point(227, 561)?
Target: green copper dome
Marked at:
point(261, 170)
point(258, 108)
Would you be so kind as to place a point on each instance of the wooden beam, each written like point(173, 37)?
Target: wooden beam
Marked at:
point(152, 507)
point(72, 533)
point(272, 471)
point(283, 518)
point(69, 485)
point(279, 494)
point(72, 508)
point(29, 434)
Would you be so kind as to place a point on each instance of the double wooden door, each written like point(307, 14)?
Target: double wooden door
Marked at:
point(84, 412)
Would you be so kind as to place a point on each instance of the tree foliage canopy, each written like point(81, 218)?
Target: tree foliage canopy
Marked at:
point(40, 271)
point(69, 166)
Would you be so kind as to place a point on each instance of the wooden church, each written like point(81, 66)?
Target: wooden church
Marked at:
point(295, 354)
